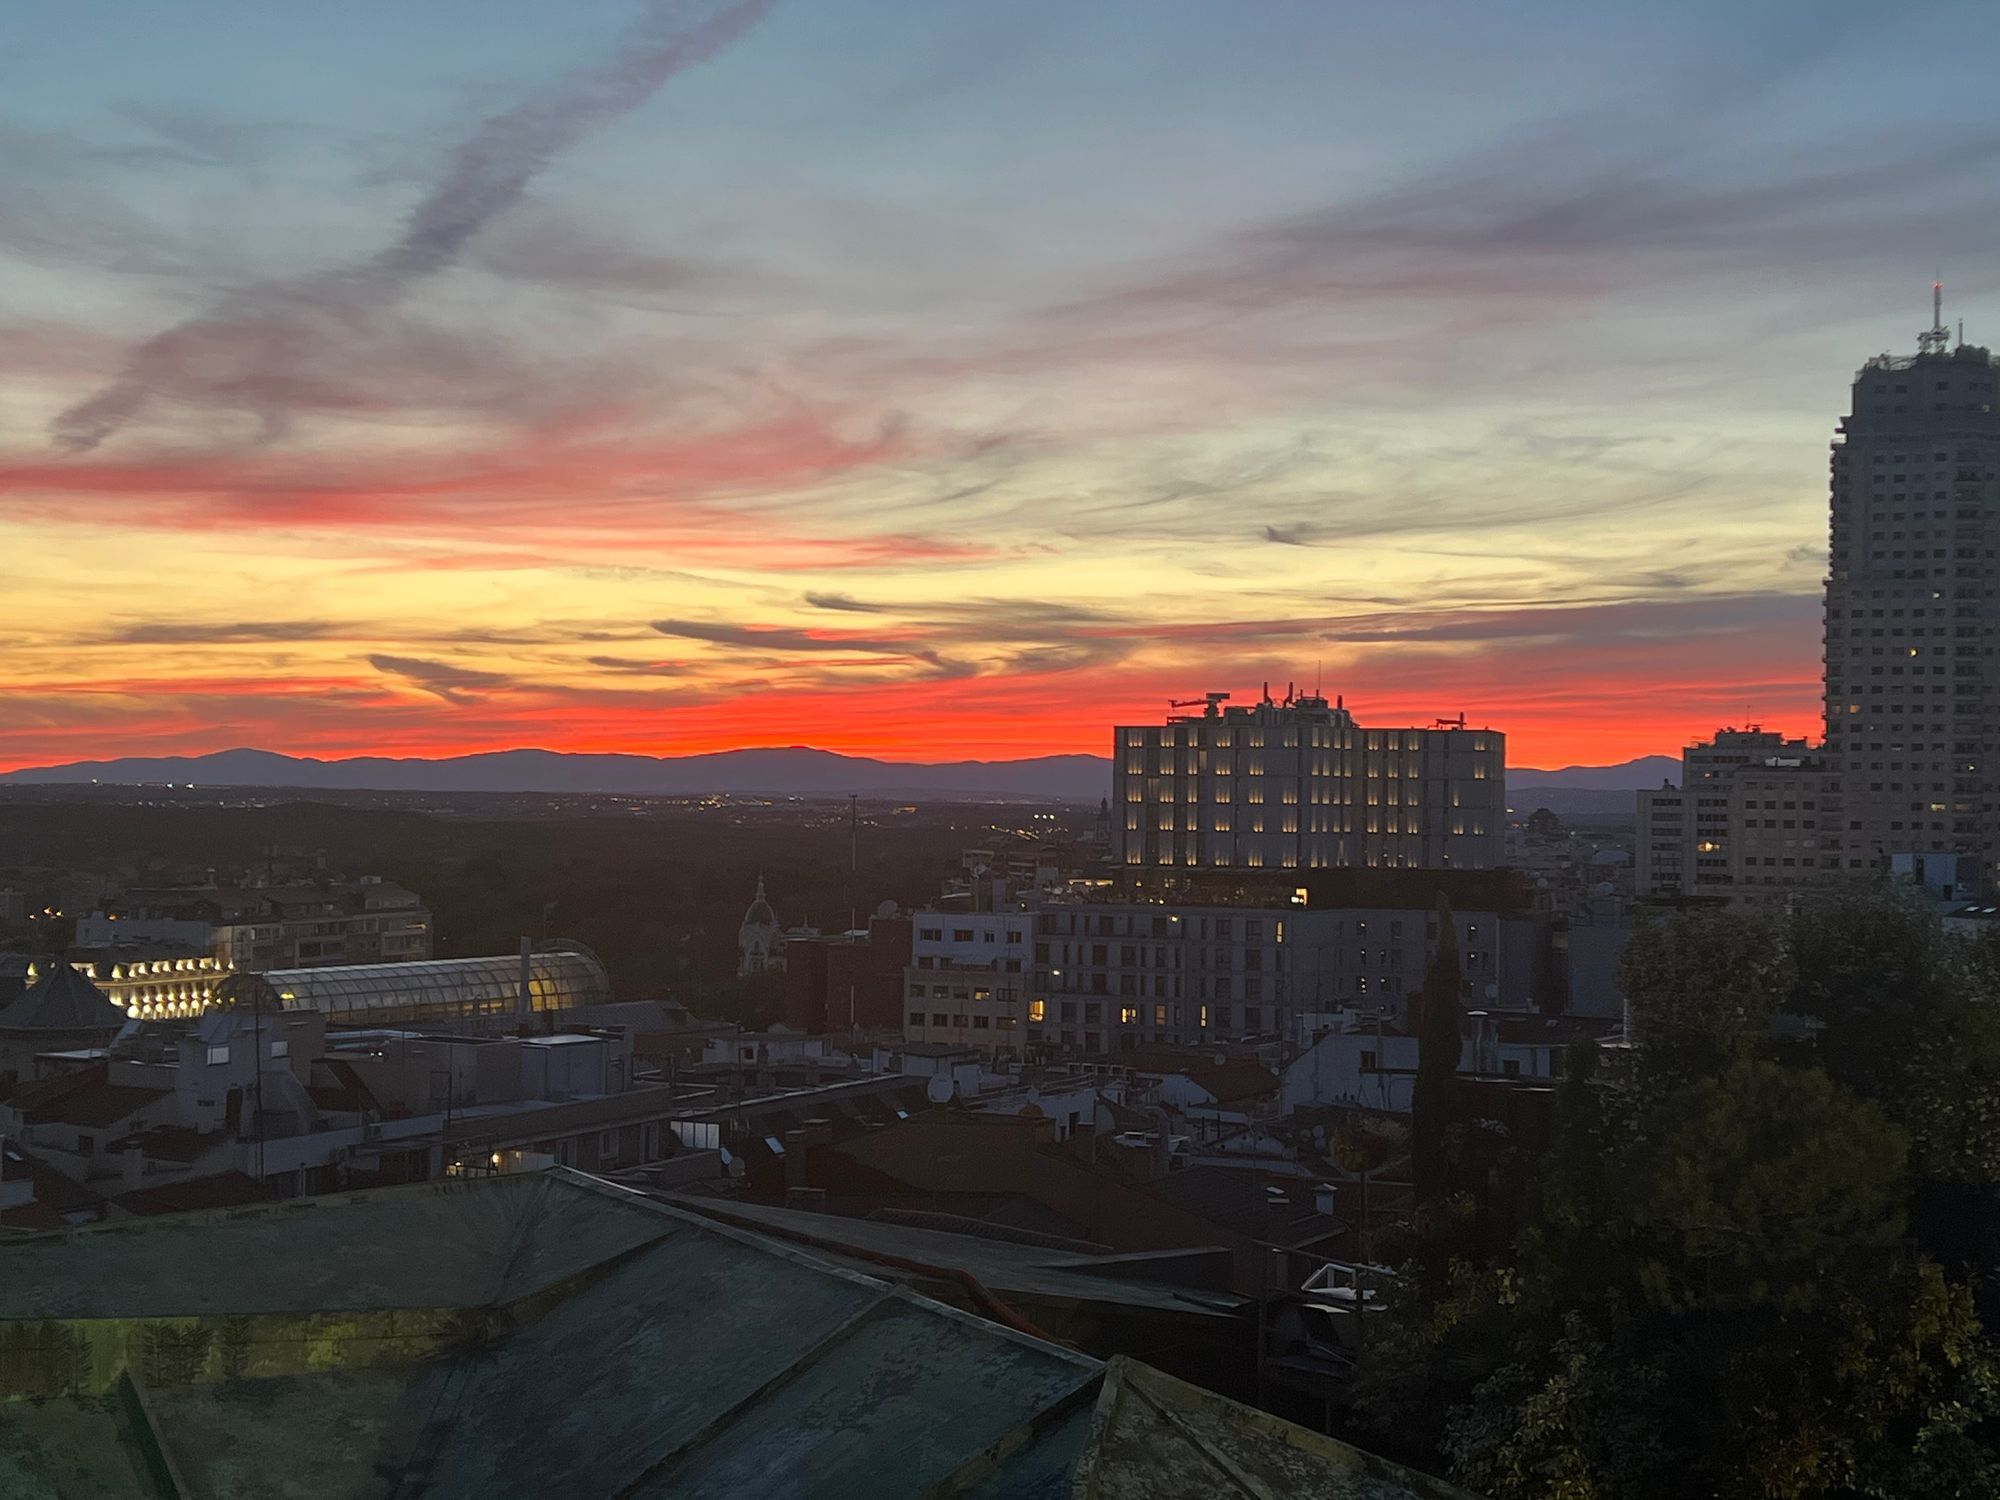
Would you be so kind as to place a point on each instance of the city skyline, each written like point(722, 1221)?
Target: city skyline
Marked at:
point(934, 383)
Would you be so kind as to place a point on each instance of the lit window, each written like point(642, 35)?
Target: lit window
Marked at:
point(1038, 1010)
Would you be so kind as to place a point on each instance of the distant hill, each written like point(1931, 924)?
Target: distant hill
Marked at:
point(1626, 776)
point(793, 771)
point(1589, 792)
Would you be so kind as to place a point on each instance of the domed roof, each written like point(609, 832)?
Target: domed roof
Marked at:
point(62, 1000)
point(760, 913)
point(246, 990)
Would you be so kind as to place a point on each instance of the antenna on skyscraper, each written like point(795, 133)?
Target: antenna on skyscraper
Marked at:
point(1937, 338)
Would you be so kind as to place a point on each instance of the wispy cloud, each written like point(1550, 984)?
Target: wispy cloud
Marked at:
point(642, 668)
point(454, 684)
point(217, 633)
point(237, 354)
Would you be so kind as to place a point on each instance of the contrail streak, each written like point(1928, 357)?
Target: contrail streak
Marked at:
point(219, 355)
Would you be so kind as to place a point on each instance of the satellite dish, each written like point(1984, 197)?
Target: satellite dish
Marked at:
point(1319, 1135)
point(940, 1089)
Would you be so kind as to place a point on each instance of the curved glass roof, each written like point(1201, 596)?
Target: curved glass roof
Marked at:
point(440, 988)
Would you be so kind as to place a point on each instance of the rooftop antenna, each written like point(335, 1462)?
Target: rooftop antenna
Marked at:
point(1937, 338)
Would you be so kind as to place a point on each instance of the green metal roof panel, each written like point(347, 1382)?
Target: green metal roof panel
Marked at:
point(1001, 1266)
point(324, 1436)
point(578, 1339)
point(432, 1245)
point(890, 1406)
point(1158, 1438)
point(633, 1367)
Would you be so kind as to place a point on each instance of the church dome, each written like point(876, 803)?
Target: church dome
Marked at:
point(759, 941)
point(760, 913)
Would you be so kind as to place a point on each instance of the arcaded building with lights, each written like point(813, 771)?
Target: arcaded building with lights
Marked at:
point(1298, 784)
point(555, 978)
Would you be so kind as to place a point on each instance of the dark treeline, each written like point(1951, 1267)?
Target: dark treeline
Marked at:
point(658, 894)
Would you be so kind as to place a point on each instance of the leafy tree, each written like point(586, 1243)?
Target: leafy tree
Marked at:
point(1982, 964)
point(1439, 1021)
point(1714, 1297)
point(1909, 1018)
point(1700, 986)
point(1876, 970)
point(1954, 1099)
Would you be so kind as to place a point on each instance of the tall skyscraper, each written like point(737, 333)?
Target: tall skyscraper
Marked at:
point(1913, 604)
point(1297, 784)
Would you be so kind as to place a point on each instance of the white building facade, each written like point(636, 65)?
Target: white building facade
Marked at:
point(966, 984)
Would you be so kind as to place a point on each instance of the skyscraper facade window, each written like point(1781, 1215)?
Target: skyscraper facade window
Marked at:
point(1913, 605)
point(1297, 784)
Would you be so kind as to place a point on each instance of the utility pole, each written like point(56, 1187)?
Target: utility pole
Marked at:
point(258, 1047)
point(853, 906)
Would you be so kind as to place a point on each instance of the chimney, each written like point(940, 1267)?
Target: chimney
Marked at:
point(796, 1143)
point(1324, 1194)
point(1162, 1145)
point(1277, 1210)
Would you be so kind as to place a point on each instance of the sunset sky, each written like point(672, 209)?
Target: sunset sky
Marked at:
point(938, 379)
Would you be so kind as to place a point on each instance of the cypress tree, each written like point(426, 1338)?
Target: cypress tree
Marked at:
point(1438, 1018)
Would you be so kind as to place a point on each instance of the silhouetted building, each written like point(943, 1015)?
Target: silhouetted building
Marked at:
point(851, 980)
point(60, 1011)
point(294, 926)
point(1297, 784)
point(1755, 818)
point(760, 941)
point(1110, 977)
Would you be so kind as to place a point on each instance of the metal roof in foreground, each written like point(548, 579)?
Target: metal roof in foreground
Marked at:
point(551, 1334)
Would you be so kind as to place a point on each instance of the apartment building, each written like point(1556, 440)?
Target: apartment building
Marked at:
point(255, 928)
point(1296, 783)
point(1113, 976)
point(966, 984)
point(1755, 818)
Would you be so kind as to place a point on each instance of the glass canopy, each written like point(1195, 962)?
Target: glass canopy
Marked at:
point(441, 988)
